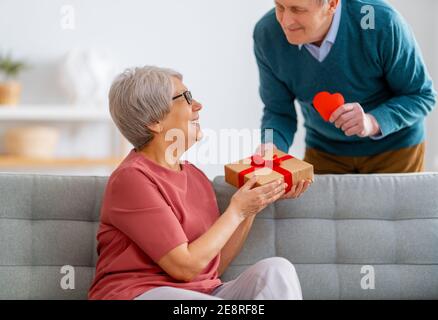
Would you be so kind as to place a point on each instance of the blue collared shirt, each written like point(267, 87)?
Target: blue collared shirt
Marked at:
point(320, 53)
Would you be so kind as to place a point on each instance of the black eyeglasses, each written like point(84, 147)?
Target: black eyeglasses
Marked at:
point(187, 95)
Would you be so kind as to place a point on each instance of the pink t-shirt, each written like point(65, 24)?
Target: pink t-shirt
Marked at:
point(147, 211)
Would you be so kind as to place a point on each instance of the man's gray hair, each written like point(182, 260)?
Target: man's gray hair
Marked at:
point(140, 97)
point(321, 2)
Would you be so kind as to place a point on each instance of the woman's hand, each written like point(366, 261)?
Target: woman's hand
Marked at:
point(248, 201)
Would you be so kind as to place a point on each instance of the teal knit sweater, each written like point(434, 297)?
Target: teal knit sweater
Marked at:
point(381, 68)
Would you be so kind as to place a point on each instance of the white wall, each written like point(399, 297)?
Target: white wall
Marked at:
point(208, 41)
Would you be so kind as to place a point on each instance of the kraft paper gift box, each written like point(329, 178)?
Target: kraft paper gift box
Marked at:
point(279, 166)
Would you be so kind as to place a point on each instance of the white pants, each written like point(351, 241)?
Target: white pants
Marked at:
point(269, 279)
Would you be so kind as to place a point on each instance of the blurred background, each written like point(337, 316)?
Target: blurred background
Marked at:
point(58, 59)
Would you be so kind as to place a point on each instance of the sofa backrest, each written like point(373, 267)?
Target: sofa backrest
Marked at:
point(339, 234)
point(349, 234)
point(46, 223)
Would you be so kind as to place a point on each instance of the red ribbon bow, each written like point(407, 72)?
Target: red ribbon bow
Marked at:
point(257, 162)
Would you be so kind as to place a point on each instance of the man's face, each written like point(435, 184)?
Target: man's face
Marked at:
point(304, 21)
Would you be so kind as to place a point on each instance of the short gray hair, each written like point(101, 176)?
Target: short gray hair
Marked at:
point(140, 97)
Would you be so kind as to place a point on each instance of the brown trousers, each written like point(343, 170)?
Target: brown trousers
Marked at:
point(397, 161)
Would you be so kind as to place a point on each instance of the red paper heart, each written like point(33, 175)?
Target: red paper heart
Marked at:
point(326, 103)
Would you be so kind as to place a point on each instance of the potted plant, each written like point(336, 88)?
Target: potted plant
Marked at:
point(10, 88)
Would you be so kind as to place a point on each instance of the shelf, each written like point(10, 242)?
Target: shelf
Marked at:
point(53, 113)
point(16, 161)
point(64, 115)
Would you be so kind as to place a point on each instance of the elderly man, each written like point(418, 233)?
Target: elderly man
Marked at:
point(361, 49)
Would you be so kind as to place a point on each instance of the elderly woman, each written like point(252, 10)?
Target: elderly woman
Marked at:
point(161, 234)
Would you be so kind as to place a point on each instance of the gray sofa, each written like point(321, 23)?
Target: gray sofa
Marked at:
point(341, 234)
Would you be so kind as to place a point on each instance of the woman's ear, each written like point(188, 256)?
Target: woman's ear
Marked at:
point(156, 127)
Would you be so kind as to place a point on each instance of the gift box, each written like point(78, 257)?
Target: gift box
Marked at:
point(279, 166)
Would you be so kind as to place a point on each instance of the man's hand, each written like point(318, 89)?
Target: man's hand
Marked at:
point(352, 119)
point(266, 148)
point(297, 190)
